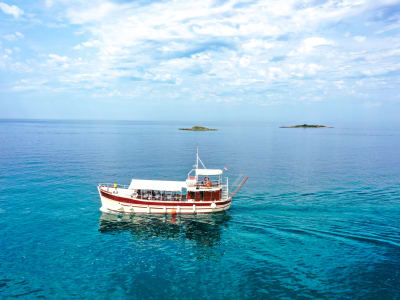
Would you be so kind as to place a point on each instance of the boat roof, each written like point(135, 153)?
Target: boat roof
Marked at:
point(157, 185)
point(208, 171)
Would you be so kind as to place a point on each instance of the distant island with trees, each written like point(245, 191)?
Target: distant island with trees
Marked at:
point(306, 126)
point(198, 128)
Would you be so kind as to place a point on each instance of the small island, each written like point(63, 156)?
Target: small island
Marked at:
point(198, 128)
point(306, 126)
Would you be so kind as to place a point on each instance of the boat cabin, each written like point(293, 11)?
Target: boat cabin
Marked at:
point(204, 184)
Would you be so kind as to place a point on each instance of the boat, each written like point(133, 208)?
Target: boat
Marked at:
point(204, 191)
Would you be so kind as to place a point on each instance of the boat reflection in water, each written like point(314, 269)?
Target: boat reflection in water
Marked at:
point(204, 230)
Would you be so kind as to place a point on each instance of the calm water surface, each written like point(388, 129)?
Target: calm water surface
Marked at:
point(318, 218)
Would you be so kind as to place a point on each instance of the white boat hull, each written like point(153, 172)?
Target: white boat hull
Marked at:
point(116, 202)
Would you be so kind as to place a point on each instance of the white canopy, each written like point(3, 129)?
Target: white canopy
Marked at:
point(208, 172)
point(157, 185)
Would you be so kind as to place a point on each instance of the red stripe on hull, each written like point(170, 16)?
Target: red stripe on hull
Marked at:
point(159, 203)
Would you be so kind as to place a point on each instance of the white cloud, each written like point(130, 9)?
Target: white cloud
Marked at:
point(339, 84)
point(57, 58)
point(256, 44)
point(91, 12)
point(359, 38)
point(276, 73)
point(49, 3)
point(206, 49)
point(13, 10)
point(29, 84)
point(13, 36)
point(311, 43)
point(87, 44)
point(388, 28)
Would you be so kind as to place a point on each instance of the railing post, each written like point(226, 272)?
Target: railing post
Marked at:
point(227, 187)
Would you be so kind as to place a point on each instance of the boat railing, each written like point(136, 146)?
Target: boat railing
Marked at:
point(149, 197)
point(111, 187)
point(114, 185)
point(225, 192)
point(208, 184)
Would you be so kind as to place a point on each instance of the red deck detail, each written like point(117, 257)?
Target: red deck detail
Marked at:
point(158, 203)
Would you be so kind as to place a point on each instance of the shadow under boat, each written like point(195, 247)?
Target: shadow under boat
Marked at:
point(204, 230)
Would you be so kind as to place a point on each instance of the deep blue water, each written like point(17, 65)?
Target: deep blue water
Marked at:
point(318, 218)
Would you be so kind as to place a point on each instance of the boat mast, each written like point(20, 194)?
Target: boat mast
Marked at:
point(197, 162)
point(197, 158)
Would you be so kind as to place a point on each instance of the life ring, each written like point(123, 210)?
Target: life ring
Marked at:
point(208, 184)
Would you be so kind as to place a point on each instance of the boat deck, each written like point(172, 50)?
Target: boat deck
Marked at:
point(124, 192)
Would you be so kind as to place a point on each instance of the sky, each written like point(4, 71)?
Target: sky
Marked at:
point(263, 60)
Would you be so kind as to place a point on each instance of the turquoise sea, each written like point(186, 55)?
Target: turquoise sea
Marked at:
point(318, 217)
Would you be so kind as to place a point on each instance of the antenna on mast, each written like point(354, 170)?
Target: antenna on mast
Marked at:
point(197, 158)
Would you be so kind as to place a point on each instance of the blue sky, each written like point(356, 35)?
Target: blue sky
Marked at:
point(305, 61)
